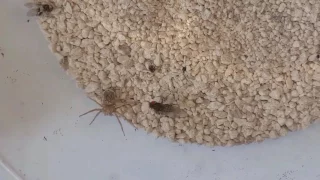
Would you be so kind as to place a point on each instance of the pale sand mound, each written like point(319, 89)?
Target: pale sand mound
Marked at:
point(234, 71)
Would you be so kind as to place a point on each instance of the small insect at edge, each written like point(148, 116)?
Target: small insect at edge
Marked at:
point(38, 9)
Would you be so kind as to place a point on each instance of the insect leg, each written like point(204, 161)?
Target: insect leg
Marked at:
point(90, 111)
point(95, 117)
point(120, 124)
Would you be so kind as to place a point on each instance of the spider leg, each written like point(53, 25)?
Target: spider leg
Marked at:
point(120, 124)
point(90, 111)
point(95, 117)
point(120, 106)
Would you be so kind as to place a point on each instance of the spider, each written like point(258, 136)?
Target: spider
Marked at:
point(108, 108)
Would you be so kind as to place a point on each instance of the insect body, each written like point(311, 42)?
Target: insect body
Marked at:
point(152, 68)
point(161, 108)
point(38, 9)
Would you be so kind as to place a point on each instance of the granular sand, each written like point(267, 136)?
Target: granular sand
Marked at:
point(232, 71)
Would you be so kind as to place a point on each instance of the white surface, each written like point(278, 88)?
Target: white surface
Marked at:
point(37, 100)
point(5, 176)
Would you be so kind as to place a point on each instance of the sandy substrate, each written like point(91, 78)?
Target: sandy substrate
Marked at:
point(223, 72)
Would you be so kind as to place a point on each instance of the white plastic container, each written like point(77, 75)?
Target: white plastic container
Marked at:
point(42, 137)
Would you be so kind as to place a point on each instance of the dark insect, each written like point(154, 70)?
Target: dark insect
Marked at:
point(108, 107)
point(161, 108)
point(152, 68)
point(184, 69)
point(38, 9)
point(318, 56)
